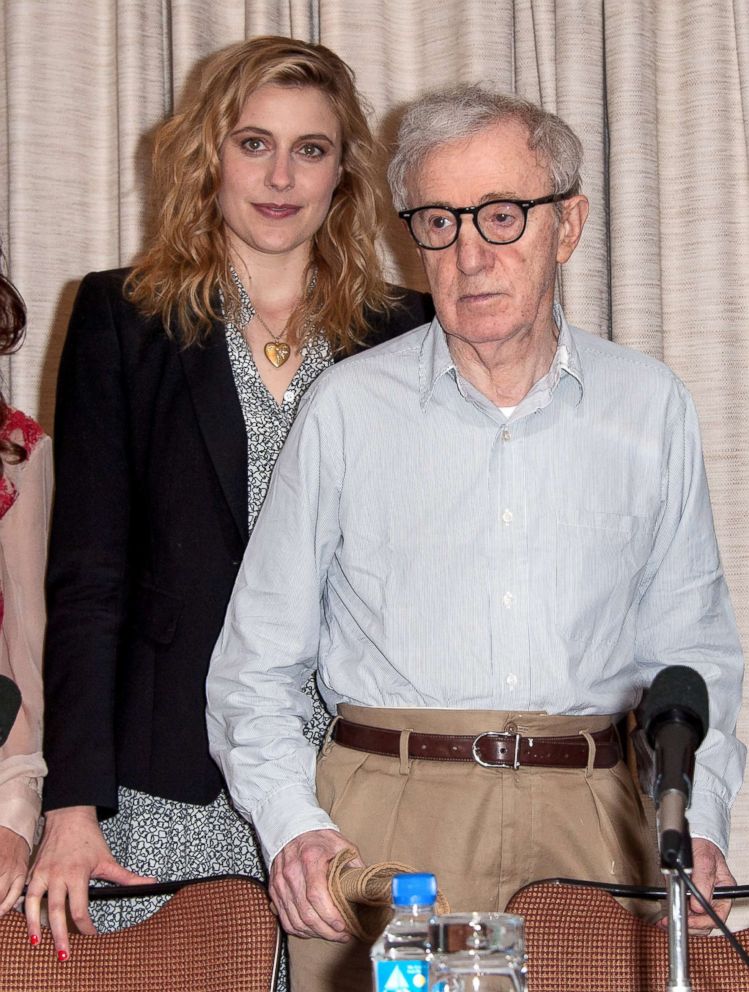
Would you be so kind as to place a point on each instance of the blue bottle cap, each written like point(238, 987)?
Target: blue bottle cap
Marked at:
point(418, 889)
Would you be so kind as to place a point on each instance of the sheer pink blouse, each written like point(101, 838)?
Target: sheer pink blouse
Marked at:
point(25, 496)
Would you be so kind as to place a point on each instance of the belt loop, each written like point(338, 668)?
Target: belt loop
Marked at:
point(405, 767)
point(327, 741)
point(591, 753)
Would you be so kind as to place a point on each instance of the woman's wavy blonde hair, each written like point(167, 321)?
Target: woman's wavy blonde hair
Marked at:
point(178, 274)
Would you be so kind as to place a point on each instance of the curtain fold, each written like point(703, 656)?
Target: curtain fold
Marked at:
point(633, 177)
point(658, 91)
point(559, 63)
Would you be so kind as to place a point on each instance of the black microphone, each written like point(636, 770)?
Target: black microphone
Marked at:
point(10, 704)
point(675, 718)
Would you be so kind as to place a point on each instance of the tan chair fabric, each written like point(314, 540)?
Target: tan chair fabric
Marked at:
point(362, 895)
point(582, 940)
point(213, 936)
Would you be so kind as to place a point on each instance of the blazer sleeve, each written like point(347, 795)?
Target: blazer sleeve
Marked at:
point(87, 577)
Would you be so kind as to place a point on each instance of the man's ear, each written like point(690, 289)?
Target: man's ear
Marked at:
point(574, 215)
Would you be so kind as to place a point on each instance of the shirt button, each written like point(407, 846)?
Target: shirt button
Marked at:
point(511, 680)
point(508, 599)
point(507, 516)
point(505, 434)
point(289, 395)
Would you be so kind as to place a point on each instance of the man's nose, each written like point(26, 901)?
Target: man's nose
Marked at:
point(473, 253)
point(280, 173)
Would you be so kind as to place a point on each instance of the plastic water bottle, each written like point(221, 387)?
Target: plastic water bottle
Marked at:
point(400, 956)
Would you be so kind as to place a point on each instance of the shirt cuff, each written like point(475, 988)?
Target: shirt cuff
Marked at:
point(20, 806)
point(285, 815)
point(710, 818)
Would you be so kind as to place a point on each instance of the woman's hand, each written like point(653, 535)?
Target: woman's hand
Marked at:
point(72, 852)
point(14, 863)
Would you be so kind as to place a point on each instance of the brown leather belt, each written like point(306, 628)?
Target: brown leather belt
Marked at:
point(493, 749)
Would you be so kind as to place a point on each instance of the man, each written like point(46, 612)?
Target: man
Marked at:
point(484, 536)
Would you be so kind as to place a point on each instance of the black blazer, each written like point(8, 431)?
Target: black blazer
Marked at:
point(149, 526)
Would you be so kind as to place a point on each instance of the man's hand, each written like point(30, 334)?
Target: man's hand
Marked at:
point(299, 885)
point(710, 869)
point(72, 852)
point(14, 862)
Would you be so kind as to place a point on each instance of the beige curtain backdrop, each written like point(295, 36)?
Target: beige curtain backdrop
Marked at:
point(658, 90)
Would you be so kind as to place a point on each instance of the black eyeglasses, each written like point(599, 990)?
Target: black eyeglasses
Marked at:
point(500, 222)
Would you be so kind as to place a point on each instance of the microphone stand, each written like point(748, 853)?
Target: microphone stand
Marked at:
point(676, 891)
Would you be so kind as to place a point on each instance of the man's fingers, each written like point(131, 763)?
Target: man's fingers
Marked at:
point(318, 896)
point(710, 870)
point(299, 885)
point(283, 917)
point(317, 925)
point(700, 925)
point(297, 926)
point(698, 919)
point(288, 913)
point(298, 915)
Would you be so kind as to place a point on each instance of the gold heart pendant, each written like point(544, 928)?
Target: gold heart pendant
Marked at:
point(277, 352)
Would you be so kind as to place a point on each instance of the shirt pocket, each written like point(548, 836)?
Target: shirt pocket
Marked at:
point(599, 563)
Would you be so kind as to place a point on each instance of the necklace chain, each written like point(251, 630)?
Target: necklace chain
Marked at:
point(248, 310)
point(276, 337)
point(277, 350)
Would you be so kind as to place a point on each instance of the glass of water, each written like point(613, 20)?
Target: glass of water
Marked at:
point(477, 952)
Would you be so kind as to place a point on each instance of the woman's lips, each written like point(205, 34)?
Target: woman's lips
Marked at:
point(276, 211)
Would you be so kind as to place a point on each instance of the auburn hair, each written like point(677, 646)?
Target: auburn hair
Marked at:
point(187, 260)
point(12, 328)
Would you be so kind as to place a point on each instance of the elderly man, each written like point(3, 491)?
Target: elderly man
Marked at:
point(486, 537)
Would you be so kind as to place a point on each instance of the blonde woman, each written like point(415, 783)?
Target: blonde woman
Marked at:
point(178, 383)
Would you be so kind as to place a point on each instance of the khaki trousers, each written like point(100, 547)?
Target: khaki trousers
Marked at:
point(484, 832)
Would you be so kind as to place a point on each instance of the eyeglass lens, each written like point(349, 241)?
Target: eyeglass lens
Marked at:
point(498, 222)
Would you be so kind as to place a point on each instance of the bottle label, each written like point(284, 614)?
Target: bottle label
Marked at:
point(402, 976)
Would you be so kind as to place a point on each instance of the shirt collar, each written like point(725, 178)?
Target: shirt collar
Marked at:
point(436, 361)
point(566, 359)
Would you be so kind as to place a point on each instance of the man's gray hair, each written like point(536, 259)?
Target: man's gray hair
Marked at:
point(463, 111)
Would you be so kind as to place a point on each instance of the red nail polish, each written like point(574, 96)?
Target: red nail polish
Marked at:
point(62, 955)
point(33, 939)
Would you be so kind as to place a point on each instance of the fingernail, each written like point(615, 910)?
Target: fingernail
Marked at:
point(62, 955)
point(33, 939)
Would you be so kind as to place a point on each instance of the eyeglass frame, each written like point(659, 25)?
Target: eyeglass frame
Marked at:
point(457, 212)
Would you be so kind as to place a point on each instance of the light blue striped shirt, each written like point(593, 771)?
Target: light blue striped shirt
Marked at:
point(419, 548)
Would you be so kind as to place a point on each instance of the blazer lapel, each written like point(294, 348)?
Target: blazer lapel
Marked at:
point(219, 414)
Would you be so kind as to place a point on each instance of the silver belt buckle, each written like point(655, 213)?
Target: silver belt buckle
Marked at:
point(497, 764)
